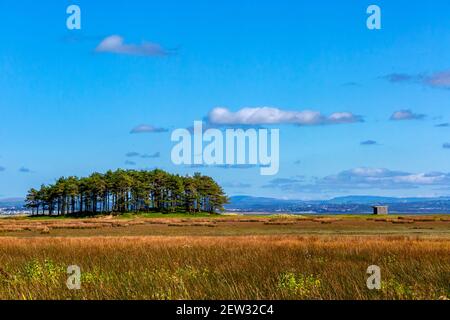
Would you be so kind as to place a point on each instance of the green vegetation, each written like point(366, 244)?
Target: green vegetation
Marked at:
point(124, 191)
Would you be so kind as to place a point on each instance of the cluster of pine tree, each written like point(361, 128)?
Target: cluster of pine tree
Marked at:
point(123, 191)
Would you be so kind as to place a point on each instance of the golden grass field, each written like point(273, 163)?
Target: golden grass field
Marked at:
point(226, 257)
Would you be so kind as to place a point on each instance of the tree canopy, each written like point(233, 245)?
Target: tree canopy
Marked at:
point(123, 191)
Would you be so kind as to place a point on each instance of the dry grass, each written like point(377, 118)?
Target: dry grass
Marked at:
point(232, 257)
point(8, 225)
point(246, 267)
point(228, 225)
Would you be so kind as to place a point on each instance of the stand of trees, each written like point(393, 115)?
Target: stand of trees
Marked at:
point(128, 191)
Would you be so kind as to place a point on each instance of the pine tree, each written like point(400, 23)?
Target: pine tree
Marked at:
point(123, 191)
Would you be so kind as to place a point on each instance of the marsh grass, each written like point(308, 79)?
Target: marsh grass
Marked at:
point(247, 267)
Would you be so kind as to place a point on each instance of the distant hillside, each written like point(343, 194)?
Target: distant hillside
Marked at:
point(12, 202)
point(348, 204)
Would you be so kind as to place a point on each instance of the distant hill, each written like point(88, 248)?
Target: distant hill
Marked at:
point(12, 202)
point(347, 204)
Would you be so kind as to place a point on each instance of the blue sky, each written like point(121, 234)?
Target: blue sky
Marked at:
point(67, 108)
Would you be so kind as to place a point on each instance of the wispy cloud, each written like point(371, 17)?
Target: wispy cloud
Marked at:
point(440, 80)
point(443, 125)
point(363, 178)
point(224, 166)
point(151, 156)
point(130, 163)
point(237, 166)
point(132, 154)
point(145, 128)
point(2, 168)
point(402, 77)
point(24, 170)
point(271, 116)
point(385, 178)
point(116, 44)
point(406, 115)
point(236, 185)
point(369, 143)
point(283, 183)
point(446, 145)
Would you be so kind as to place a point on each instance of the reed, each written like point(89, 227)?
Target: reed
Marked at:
point(232, 267)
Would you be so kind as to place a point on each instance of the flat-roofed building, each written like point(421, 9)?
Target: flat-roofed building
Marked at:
point(380, 210)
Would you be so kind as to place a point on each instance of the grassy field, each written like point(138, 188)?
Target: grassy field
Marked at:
point(188, 225)
point(226, 257)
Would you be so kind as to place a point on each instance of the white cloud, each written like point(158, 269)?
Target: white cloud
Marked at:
point(385, 178)
point(406, 115)
point(269, 115)
point(116, 44)
point(439, 79)
point(364, 178)
point(424, 179)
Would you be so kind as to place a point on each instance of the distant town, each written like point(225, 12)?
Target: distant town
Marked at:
point(13, 206)
point(13, 211)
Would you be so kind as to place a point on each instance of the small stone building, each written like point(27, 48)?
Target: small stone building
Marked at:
point(380, 210)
